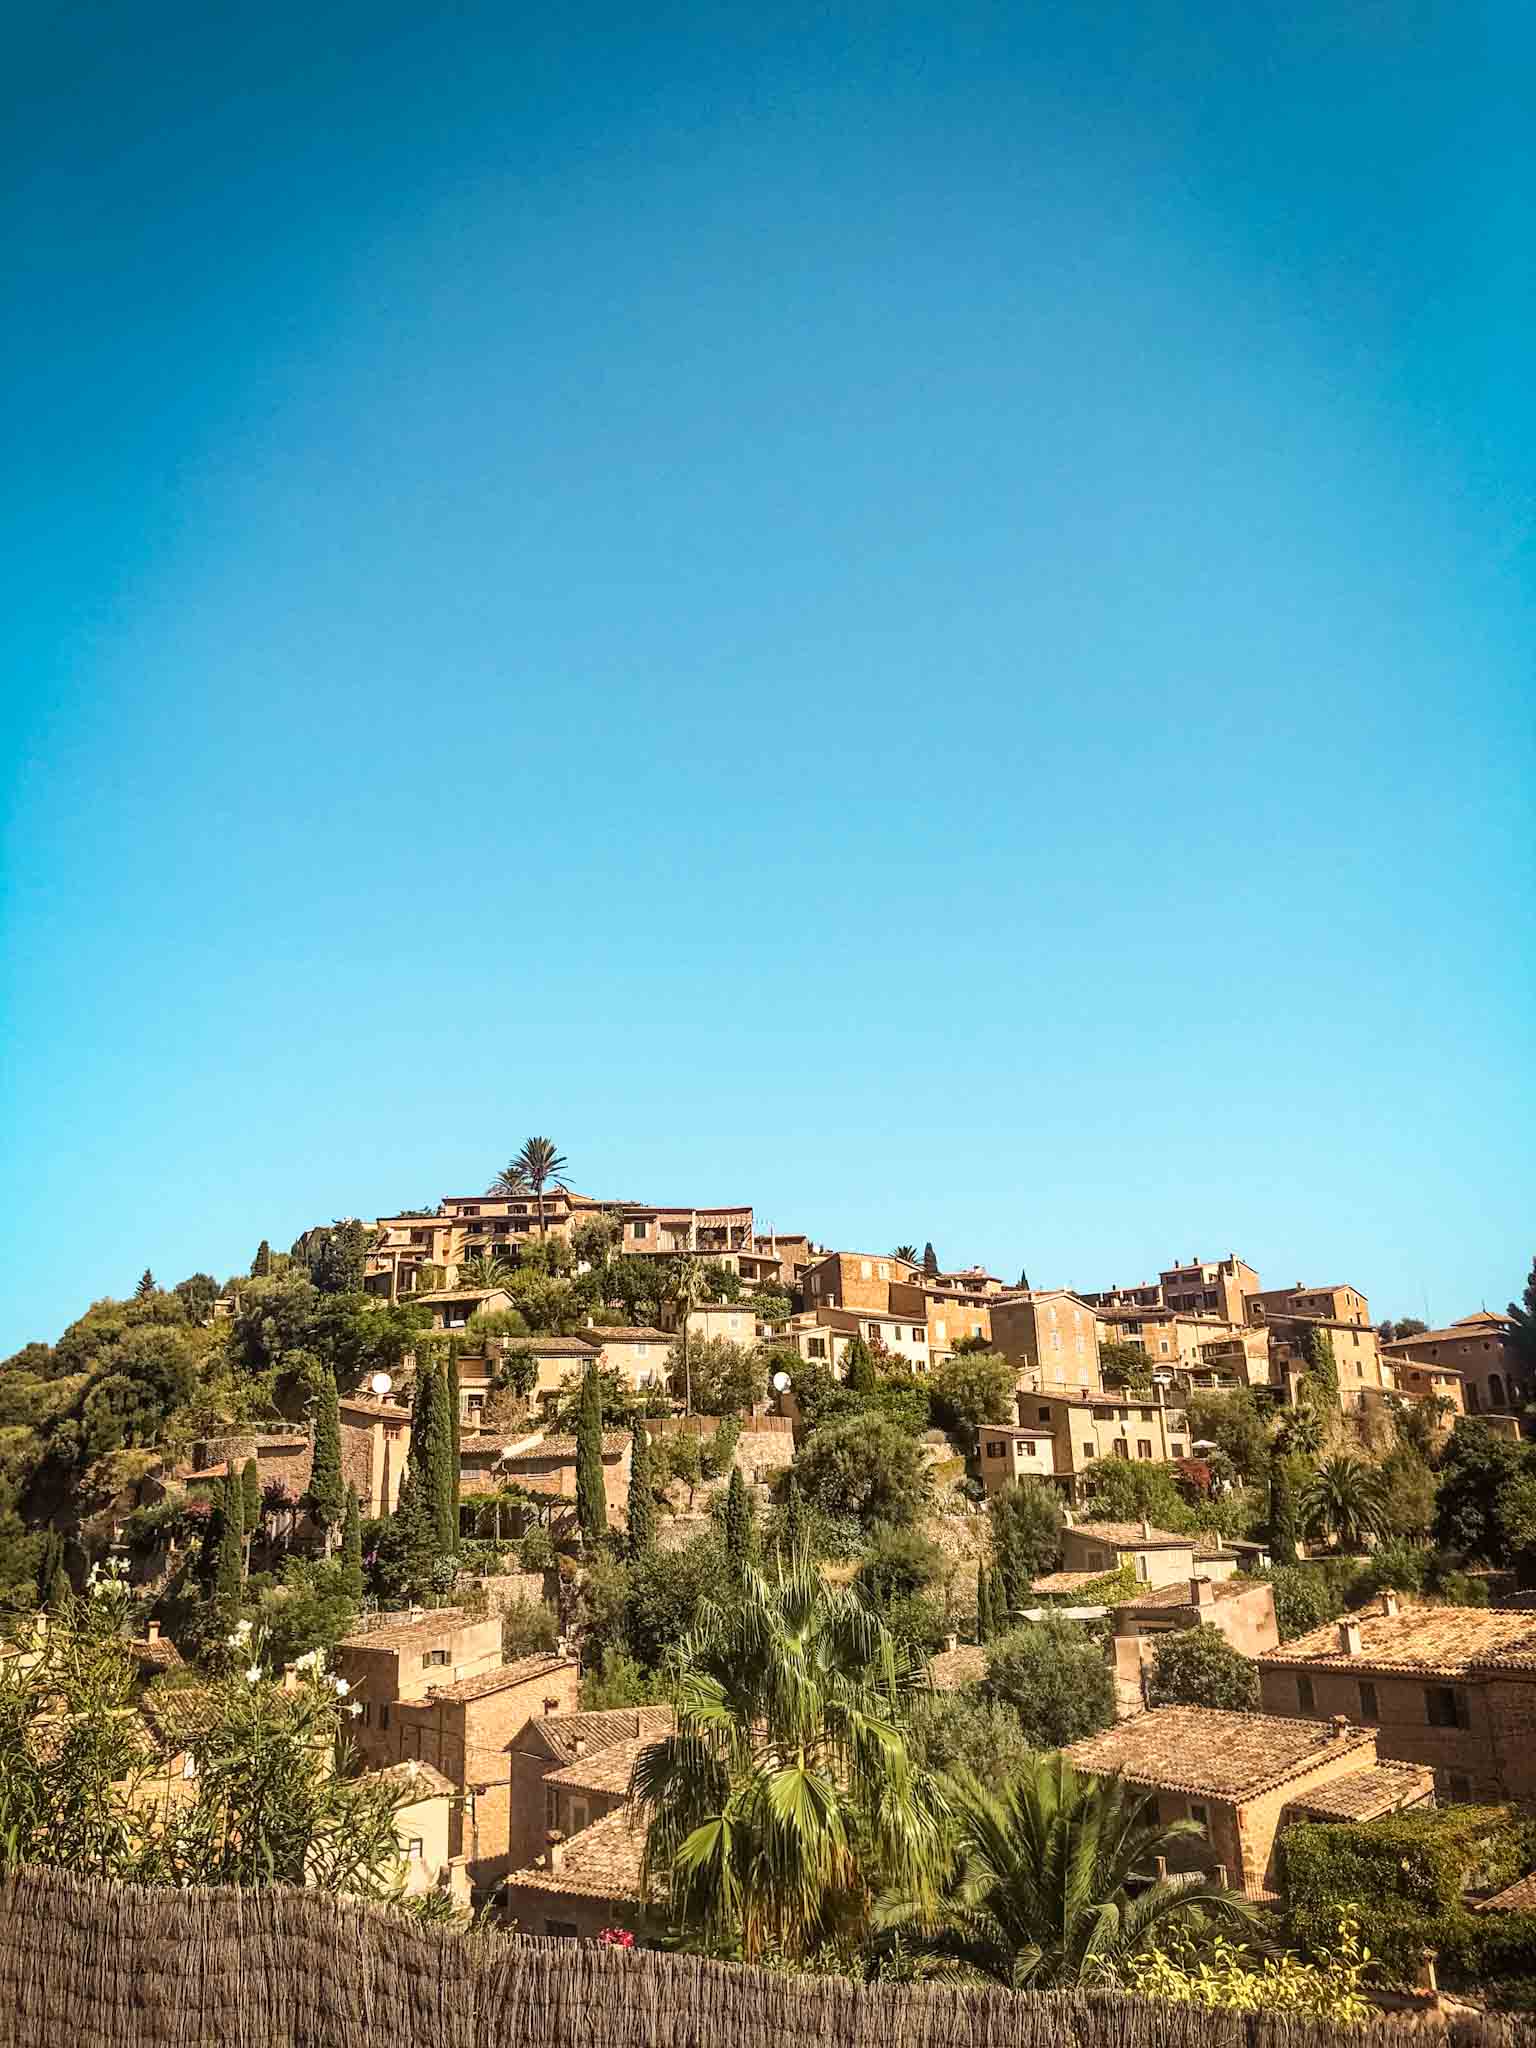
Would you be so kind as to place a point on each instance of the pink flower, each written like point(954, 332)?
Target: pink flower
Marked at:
point(616, 1937)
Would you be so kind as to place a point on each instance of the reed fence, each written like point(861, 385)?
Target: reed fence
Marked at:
point(90, 1964)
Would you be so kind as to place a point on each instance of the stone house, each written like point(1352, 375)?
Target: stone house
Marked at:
point(375, 1441)
point(581, 1792)
point(1088, 1427)
point(1005, 1453)
point(389, 1667)
point(581, 1886)
point(1451, 1688)
point(954, 1313)
point(547, 1464)
point(1051, 1336)
point(1322, 1304)
point(1356, 1351)
point(1158, 1557)
point(1479, 1350)
point(556, 1742)
point(859, 1280)
point(1242, 1610)
point(637, 1353)
point(1241, 1778)
point(424, 1829)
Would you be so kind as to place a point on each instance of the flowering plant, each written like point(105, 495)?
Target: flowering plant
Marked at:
point(616, 1937)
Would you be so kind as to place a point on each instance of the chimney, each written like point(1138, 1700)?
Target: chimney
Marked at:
point(1339, 1723)
point(554, 1855)
point(951, 1642)
point(550, 1705)
point(1201, 1593)
point(579, 1745)
point(1390, 1603)
point(152, 1632)
point(1146, 1530)
point(1066, 1518)
point(1349, 1638)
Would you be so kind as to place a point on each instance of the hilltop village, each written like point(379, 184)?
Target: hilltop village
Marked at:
point(618, 1559)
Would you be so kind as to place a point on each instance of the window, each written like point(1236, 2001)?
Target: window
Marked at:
point(1121, 1448)
point(918, 1336)
point(1305, 1701)
point(1458, 1787)
point(384, 1713)
point(1444, 1707)
point(429, 1657)
point(1368, 1708)
point(1043, 1414)
point(864, 1270)
point(1146, 1414)
point(1175, 1450)
point(470, 1209)
point(1027, 1446)
point(1087, 1452)
point(475, 1401)
point(1200, 1815)
point(639, 1228)
point(938, 1331)
point(885, 1271)
point(579, 1814)
point(994, 1450)
point(1143, 1447)
point(367, 1715)
point(415, 1848)
point(815, 1347)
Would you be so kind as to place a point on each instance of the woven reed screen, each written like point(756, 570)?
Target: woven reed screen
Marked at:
point(93, 1965)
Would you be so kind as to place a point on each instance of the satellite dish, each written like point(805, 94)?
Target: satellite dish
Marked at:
point(381, 1383)
point(780, 1382)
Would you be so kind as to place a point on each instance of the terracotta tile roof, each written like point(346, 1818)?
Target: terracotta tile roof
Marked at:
point(1157, 1598)
point(176, 1715)
point(557, 1448)
point(1519, 1897)
point(1219, 1755)
point(600, 1862)
point(1131, 1535)
point(544, 1663)
point(610, 1769)
point(417, 1780)
point(1065, 1582)
point(966, 1664)
point(1471, 1331)
point(629, 1333)
point(159, 1655)
point(556, 1347)
point(1364, 1795)
point(1438, 1642)
point(408, 1635)
point(558, 1734)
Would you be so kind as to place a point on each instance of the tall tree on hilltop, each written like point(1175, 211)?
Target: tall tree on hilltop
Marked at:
point(983, 1603)
point(408, 1545)
point(261, 1265)
point(1347, 1500)
point(687, 1291)
point(642, 1502)
point(352, 1547)
point(738, 1521)
point(325, 1489)
point(147, 1284)
point(1322, 1369)
point(907, 1253)
point(1023, 1280)
point(930, 1262)
point(1522, 1326)
point(534, 1169)
point(591, 1500)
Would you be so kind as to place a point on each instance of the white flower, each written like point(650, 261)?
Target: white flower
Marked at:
point(242, 1630)
point(254, 1673)
point(354, 1709)
point(342, 1687)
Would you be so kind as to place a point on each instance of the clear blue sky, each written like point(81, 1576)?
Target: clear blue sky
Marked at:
point(918, 615)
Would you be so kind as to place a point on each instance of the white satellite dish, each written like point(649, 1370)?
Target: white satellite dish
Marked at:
point(780, 1382)
point(381, 1383)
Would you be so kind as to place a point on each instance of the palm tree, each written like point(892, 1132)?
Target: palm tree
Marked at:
point(686, 1293)
point(908, 1254)
point(1038, 1889)
point(1300, 1432)
point(786, 1796)
point(531, 1172)
point(1346, 1500)
point(486, 1269)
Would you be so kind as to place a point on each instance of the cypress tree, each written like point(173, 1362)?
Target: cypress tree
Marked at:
point(455, 1345)
point(591, 1501)
point(441, 1478)
point(794, 1537)
point(642, 1502)
point(1023, 1280)
point(859, 1374)
point(52, 1579)
point(999, 1602)
point(229, 1558)
point(261, 1265)
point(738, 1521)
point(1282, 1512)
point(930, 1262)
point(352, 1547)
point(325, 1489)
point(250, 1497)
point(983, 1604)
point(147, 1284)
point(408, 1546)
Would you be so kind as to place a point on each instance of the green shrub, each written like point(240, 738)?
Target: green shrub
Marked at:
point(1405, 1875)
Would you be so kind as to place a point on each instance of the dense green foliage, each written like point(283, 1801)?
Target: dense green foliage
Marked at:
point(1198, 1667)
point(1053, 1676)
point(591, 1500)
point(863, 1467)
point(1027, 1521)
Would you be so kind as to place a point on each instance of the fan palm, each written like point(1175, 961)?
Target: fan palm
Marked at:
point(908, 1253)
point(487, 1269)
point(787, 1795)
point(1300, 1431)
point(1346, 1500)
point(534, 1169)
point(1044, 1887)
